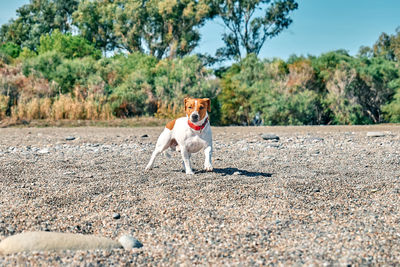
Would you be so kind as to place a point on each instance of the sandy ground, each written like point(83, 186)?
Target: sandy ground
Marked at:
point(320, 195)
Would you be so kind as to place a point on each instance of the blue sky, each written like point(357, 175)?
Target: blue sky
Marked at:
point(318, 26)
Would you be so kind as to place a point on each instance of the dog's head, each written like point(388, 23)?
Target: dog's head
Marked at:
point(196, 108)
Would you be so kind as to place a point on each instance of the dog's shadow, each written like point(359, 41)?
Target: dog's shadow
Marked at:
point(236, 171)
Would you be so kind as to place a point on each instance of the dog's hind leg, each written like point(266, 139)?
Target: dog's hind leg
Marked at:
point(163, 143)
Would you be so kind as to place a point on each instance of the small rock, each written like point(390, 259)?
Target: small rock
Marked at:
point(116, 216)
point(129, 242)
point(10, 229)
point(144, 136)
point(70, 138)
point(316, 139)
point(43, 151)
point(273, 145)
point(270, 137)
point(69, 173)
point(375, 134)
point(236, 173)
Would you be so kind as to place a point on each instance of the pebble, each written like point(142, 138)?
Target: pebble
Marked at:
point(10, 229)
point(69, 173)
point(70, 138)
point(129, 242)
point(116, 216)
point(43, 151)
point(144, 136)
point(375, 134)
point(237, 173)
point(270, 137)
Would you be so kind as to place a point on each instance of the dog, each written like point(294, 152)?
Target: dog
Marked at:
point(188, 134)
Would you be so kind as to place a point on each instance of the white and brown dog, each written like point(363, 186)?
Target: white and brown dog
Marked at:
point(188, 134)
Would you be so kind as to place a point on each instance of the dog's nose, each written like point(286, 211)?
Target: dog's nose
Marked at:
point(195, 117)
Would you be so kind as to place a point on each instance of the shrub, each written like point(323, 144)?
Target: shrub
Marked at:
point(131, 97)
point(72, 73)
point(70, 46)
point(10, 49)
point(178, 78)
point(392, 109)
point(44, 66)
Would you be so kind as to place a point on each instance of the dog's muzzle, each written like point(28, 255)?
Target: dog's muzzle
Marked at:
point(194, 117)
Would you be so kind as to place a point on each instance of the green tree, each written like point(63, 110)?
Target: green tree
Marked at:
point(95, 21)
point(161, 28)
point(248, 28)
point(37, 18)
point(70, 46)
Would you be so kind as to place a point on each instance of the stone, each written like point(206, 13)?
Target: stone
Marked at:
point(116, 216)
point(129, 242)
point(375, 134)
point(43, 151)
point(270, 137)
point(144, 136)
point(69, 173)
point(70, 138)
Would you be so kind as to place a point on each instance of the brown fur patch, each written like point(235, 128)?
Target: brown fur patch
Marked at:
point(170, 125)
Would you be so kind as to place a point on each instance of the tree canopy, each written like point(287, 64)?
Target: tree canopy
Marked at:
point(162, 28)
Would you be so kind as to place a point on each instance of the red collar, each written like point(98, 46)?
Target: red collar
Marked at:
point(196, 127)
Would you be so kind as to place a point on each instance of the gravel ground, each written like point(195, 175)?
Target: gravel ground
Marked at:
point(318, 195)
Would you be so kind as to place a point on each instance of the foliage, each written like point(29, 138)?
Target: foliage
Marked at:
point(44, 65)
point(10, 49)
point(391, 109)
point(163, 28)
point(70, 46)
point(248, 31)
point(334, 88)
point(37, 18)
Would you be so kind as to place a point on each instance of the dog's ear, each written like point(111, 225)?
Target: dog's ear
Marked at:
point(208, 104)
point(185, 101)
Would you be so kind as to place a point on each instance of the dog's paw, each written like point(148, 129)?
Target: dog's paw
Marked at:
point(208, 168)
point(190, 172)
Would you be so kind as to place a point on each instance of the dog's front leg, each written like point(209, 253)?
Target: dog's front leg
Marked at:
point(186, 160)
point(207, 160)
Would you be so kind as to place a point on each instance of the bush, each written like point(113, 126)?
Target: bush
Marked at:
point(73, 72)
point(70, 46)
point(10, 49)
point(44, 65)
point(131, 97)
point(392, 109)
point(178, 78)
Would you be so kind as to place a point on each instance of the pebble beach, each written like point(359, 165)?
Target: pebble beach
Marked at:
point(278, 196)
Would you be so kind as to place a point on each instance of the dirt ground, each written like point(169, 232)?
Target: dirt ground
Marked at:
point(323, 195)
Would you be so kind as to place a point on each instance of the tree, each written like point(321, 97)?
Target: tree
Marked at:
point(37, 18)
point(387, 47)
point(95, 21)
point(161, 28)
point(248, 28)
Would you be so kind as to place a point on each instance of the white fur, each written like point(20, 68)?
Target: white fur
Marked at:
point(189, 141)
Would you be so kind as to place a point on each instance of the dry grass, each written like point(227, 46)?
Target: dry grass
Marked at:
point(169, 111)
point(3, 106)
point(131, 122)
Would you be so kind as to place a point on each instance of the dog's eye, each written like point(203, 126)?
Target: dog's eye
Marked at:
point(201, 108)
point(190, 107)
